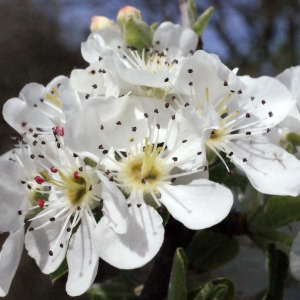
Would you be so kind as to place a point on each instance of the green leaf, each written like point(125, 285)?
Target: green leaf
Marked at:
point(263, 239)
point(278, 264)
point(177, 285)
point(192, 12)
point(202, 21)
point(217, 289)
point(60, 271)
point(115, 289)
point(209, 250)
point(138, 34)
point(277, 212)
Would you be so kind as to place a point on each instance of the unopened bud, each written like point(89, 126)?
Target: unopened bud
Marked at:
point(126, 13)
point(99, 22)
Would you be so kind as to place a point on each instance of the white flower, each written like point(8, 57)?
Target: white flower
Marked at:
point(244, 110)
point(145, 75)
point(74, 191)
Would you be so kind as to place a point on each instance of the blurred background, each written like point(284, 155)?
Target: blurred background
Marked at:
point(40, 39)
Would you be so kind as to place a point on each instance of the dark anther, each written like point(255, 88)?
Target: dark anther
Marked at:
point(101, 200)
point(244, 159)
point(75, 155)
point(94, 86)
point(26, 221)
point(205, 168)
point(167, 79)
point(173, 180)
point(133, 128)
point(31, 229)
point(129, 204)
point(20, 212)
point(50, 253)
point(143, 181)
point(87, 96)
point(230, 154)
point(173, 117)
point(105, 151)
point(187, 104)
point(190, 83)
point(184, 141)
point(29, 186)
point(23, 182)
point(175, 158)
point(225, 83)
point(90, 188)
point(43, 143)
point(167, 105)
point(93, 72)
point(99, 58)
point(78, 208)
point(58, 145)
point(23, 124)
point(111, 178)
point(80, 169)
point(52, 219)
point(32, 156)
point(41, 156)
point(158, 126)
point(156, 110)
point(68, 229)
point(35, 135)
point(145, 115)
point(247, 115)
point(239, 91)
point(199, 153)
point(100, 147)
point(173, 98)
point(248, 133)
point(119, 123)
point(190, 70)
point(175, 61)
point(30, 130)
point(263, 102)
point(139, 205)
point(268, 130)
point(61, 245)
point(42, 100)
point(232, 91)
point(101, 127)
point(270, 114)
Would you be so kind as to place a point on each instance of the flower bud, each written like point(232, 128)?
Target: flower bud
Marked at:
point(126, 13)
point(99, 22)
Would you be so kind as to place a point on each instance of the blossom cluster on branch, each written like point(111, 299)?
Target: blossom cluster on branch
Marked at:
point(103, 153)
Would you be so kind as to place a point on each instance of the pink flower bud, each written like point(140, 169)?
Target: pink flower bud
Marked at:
point(126, 13)
point(99, 22)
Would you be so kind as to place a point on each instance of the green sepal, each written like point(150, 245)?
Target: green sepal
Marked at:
point(192, 12)
point(154, 26)
point(177, 286)
point(277, 212)
point(290, 148)
point(217, 170)
point(209, 250)
point(202, 21)
point(278, 264)
point(60, 271)
point(164, 213)
point(114, 289)
point(90, 162)
point(217, 289)
point(137, 34)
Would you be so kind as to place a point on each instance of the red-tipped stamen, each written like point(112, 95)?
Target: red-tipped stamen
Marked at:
point(41, 203)
point(39, 179)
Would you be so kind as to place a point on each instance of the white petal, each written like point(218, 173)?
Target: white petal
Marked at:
point(295, 257)
point(13, 195)
point(82, 258)
point(40, 241)
point(115, 207)
point(273, 92)
point(270, 169)
point(137, 246)
point(9, 259)
point(198, 205)
point(169, 34)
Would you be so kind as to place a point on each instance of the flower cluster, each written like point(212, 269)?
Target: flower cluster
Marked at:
point(103, 152)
